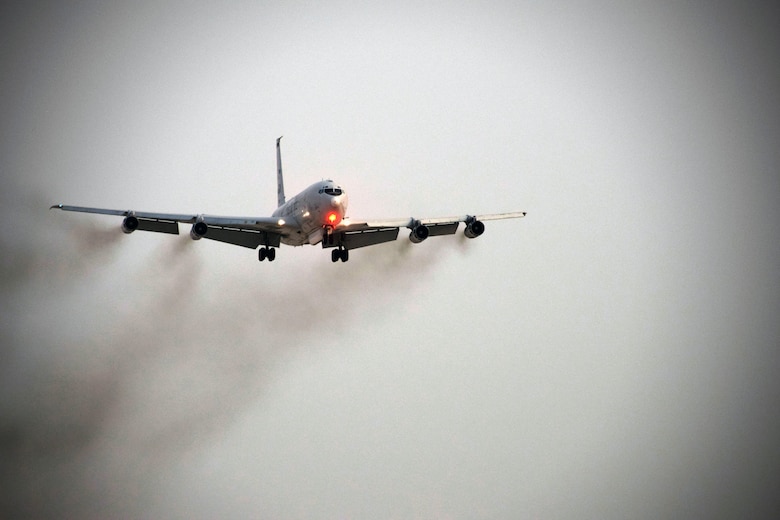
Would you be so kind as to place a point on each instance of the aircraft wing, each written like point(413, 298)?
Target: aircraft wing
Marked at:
point(411, 222)
point(174, 217)
point(360, 233)
point(243, 231)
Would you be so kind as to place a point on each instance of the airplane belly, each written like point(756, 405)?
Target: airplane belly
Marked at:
point(296, 238)
point(307, 232)
point(315, 237)
point(312, 230)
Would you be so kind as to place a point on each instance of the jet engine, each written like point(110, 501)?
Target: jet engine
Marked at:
point(199, 229)
point(419, 233)
point(474, 228)
point(129, 224)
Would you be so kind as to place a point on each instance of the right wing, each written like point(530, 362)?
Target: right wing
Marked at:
point(353, 234)
point(242, 231)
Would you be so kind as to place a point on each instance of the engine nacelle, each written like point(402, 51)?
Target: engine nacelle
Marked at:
point(199, 229)
point(474, 228)
point(419, 233)
point(129, 224)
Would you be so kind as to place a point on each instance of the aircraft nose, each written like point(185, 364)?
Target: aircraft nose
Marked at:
point(335, 202)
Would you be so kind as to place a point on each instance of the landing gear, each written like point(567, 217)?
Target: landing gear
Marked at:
point(266, 252)
point(339, 254)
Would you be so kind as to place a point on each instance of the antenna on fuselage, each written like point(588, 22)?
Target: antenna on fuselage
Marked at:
point(279, 178)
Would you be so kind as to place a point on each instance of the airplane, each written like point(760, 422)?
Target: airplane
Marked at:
point(317, 215)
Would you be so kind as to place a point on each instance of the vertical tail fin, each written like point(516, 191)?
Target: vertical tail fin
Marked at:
point(279, 179)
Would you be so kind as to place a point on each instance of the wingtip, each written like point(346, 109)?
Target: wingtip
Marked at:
point(58, 206)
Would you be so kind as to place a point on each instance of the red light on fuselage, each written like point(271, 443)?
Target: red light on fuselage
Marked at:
point(332, 217)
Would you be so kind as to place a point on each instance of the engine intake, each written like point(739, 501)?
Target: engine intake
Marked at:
point(199, 229)
point(129, 224)
point(474, 228)
point(419, 233)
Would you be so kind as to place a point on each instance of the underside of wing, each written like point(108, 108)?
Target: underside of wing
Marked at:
point(351, 234)
point(242, 231)
point(251, 238)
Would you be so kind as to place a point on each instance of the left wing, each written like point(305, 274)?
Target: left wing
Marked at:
point(353, 234)
point(242, 231)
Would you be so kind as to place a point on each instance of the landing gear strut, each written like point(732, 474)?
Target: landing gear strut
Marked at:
point(266, 252)
point(339, 254)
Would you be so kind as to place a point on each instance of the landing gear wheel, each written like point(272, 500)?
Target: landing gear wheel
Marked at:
point(266, 252)
point(339, 254)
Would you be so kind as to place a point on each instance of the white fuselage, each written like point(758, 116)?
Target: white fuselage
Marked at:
point(312, 211)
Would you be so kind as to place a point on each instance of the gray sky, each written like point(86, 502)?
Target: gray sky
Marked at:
point(613, 355)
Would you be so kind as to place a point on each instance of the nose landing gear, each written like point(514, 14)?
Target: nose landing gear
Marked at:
point(339, 254)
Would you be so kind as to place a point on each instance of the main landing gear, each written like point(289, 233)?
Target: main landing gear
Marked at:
point(339, 254)
point(266, 252)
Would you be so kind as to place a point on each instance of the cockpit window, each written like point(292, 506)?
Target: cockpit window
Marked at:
point(332, 191)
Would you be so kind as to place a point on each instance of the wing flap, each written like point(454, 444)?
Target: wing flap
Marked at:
point(274, 226)
point(243, 237)
point(357, 239)
point(158, 226)
point(448, 228)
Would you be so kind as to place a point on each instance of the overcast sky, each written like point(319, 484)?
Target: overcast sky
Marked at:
point(612, 355)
